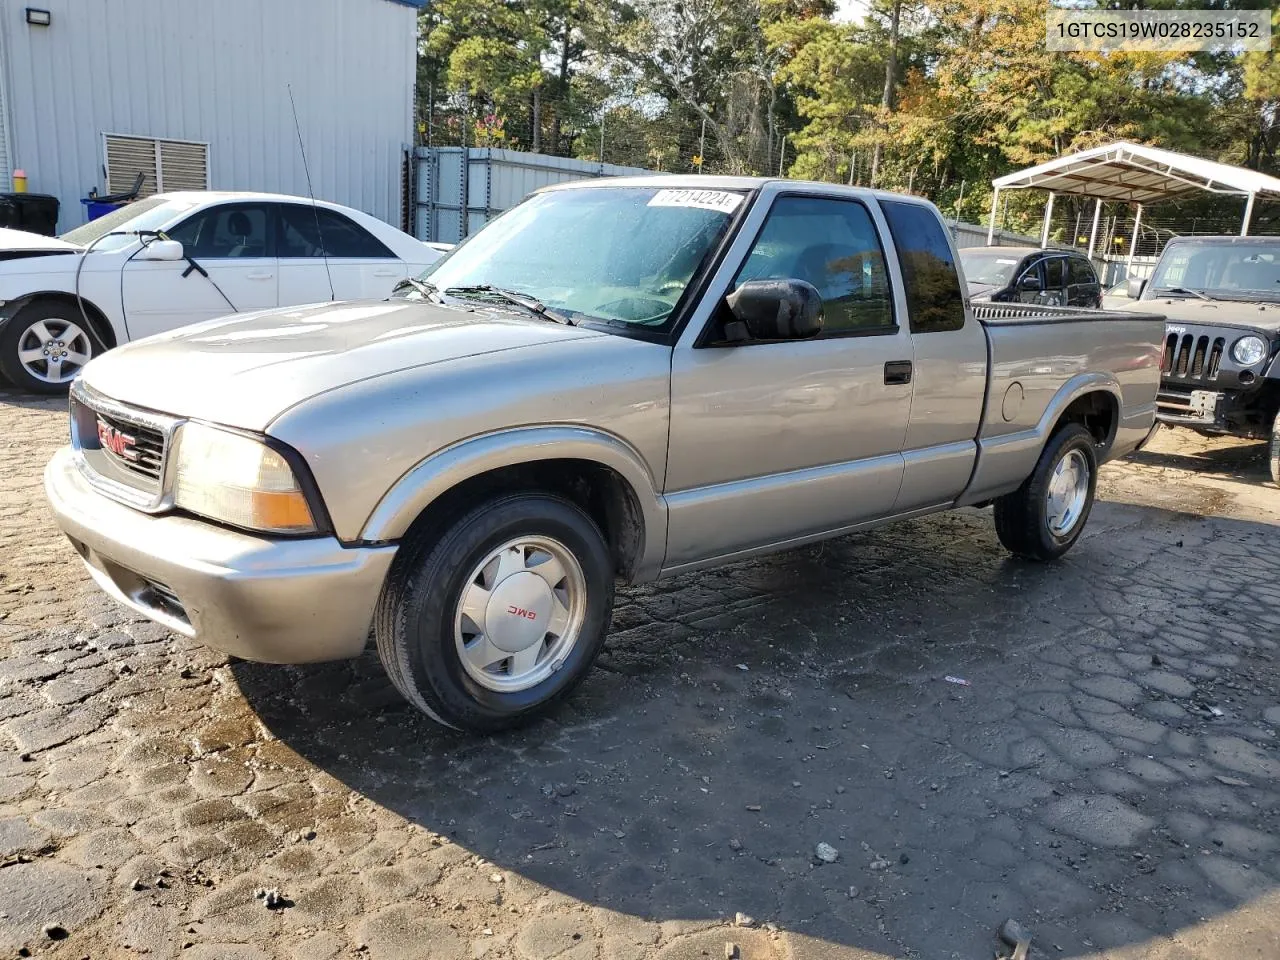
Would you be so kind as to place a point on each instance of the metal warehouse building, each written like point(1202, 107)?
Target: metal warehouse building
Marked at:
point(194, 94)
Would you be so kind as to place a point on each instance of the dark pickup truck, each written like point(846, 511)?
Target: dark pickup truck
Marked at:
point(1220, 371)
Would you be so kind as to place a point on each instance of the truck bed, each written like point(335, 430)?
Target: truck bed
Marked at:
point(1041, 360)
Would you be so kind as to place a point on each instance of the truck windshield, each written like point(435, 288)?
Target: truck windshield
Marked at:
point(988, 266)
point(613, 254)
point(1248, 270)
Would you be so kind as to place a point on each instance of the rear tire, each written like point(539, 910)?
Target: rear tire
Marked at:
point(1044, 517)
point(1274, 451)
point(487, 624)
point(45, 345)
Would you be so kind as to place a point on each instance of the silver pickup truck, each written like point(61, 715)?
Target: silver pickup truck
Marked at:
point(615, 380)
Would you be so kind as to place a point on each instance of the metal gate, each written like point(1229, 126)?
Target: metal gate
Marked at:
point(457, 190)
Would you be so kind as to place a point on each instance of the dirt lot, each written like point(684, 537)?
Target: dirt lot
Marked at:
point(1109, 776)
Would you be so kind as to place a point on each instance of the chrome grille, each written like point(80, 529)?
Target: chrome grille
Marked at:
point(121, 449)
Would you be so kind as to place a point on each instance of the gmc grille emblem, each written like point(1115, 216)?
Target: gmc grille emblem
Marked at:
point(117, 441)
point(522, 612)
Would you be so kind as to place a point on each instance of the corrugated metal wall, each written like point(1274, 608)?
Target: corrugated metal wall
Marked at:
point(217, 72)
point(496, 180)
point(6, 171)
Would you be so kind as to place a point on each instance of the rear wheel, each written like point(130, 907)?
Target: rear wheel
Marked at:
point(44, 346)
point(489, 623)
point(1044, 517)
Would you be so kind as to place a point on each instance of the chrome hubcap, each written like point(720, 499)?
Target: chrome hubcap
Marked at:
point(54, 350)
point(1068, 490)
point(520, 614)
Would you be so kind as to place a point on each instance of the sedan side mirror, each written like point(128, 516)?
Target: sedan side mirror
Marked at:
point(162, 250)
point(774, 310)
point(1029, 283)
point(1136, 286)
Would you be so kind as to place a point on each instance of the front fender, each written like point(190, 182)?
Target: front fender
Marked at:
point(445, 469)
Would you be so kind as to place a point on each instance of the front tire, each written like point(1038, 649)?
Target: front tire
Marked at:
point(1044, 517)
point(488, 624)
point(44, 346)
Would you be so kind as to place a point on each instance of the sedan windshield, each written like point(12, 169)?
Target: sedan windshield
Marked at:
point(1220, 271)
point(149, 214)
point(613, 254)
point(987, 267)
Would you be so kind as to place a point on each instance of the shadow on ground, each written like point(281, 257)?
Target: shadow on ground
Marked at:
point(1109, 775)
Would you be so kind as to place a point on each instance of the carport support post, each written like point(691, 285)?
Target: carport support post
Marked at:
point(1248, 215)
point(1093, 234)
point(1048, 215)
point(991, 225)
point(1133, 243)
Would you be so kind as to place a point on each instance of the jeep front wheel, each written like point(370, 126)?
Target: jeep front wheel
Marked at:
point(487, 624)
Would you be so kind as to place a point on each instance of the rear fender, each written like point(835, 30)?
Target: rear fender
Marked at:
point(1005, 461)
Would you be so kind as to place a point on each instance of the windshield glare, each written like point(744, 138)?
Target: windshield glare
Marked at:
point(987, 267)
point(151, 213)
point(622, 254)
point(1244, 271)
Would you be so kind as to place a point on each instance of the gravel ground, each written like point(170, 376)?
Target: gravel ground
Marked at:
point(1108, 774)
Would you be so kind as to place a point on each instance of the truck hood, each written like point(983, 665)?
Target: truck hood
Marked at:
point(1227, 313)
point(245, 371)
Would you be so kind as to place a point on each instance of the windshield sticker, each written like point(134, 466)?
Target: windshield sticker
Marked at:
point(718, 200)
point(1010, 262)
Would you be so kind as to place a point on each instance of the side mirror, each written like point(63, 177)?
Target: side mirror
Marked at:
point(774, 310)
point(1136, 286)
point(1029, 283)
point(162, 250)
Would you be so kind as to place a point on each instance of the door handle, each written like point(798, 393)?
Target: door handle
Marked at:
point(387, 273)
point(897, 371)
point(259, 276)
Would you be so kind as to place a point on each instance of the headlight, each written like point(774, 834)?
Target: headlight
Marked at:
point(1249, 350)
point(239, 480)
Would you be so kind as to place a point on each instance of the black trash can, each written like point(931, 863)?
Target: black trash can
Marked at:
point(33, 212)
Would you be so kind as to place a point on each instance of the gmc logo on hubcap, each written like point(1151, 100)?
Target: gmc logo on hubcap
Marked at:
point(116, 441)
point(522, 612)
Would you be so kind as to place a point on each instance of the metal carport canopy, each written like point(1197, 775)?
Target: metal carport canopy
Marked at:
point(1134, 173)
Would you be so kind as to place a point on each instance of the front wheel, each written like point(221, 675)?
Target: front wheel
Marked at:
point(44, 346)
point(487, 624)
point(1044, 517)
point(1274, 450)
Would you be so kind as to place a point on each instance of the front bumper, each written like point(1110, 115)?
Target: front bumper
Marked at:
point(274, 600)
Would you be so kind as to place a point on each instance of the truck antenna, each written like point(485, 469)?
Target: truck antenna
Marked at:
point(315, 209)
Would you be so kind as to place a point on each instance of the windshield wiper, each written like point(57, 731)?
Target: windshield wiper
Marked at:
point(530, 304)
point(413, 283)
point(1194, 293)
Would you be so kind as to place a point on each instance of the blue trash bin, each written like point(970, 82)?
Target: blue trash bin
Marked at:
point(96, 208)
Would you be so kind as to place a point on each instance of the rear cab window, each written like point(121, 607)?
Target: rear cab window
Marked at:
point(935, 302)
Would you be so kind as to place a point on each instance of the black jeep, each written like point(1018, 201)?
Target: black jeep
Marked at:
point(1221, 374)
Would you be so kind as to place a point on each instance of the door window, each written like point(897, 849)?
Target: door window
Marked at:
point(316, 232)
point(833, 245)
point(227, 231)
point(1055, 273)
point(1081, 271)
point(935, 302)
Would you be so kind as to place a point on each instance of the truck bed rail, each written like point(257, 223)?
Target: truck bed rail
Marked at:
point(1001, 314)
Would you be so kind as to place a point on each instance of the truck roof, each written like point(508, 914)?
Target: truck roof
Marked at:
point(699, 181)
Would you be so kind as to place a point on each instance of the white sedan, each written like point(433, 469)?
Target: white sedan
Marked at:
point(179, 258)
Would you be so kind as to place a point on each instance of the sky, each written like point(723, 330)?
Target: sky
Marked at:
point(850, 9)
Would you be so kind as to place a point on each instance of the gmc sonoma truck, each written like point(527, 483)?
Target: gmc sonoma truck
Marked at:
point(614, 380)
point(1220, 370)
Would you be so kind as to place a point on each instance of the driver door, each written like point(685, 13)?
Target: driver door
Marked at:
point(775, 441)
point(233, 242)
